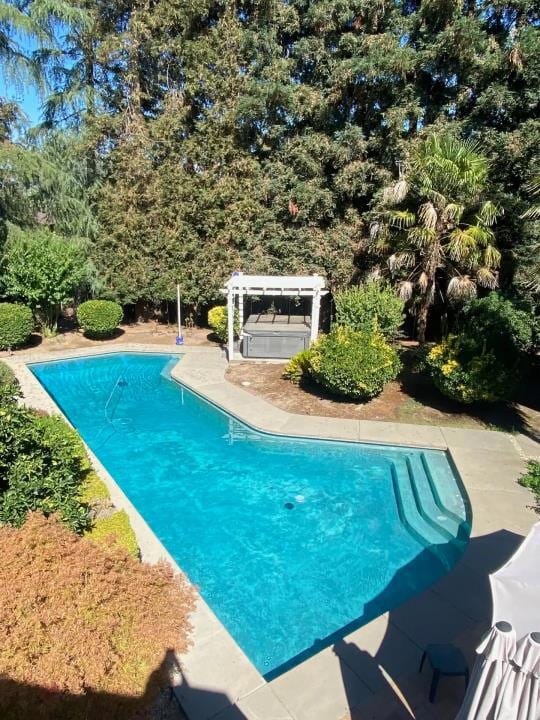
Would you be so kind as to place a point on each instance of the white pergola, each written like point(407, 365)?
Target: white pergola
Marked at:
point(240, 286)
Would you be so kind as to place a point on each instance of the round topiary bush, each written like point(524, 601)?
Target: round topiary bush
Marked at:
point(99, 318)
point(354, 364)
point(465, 372)
point(217, 319)
point(16, 325)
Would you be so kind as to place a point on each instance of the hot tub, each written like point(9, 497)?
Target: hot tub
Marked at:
point(275, 336)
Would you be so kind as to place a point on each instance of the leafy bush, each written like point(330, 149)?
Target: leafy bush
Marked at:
point(358, 307)
point(16, 325)
point(531, 480)
point(45, 270)
point(42, 467)
point(94, 489)
point(217, 319)
point(115, 528)
point(463, 372)
point(9, 386)
point(86, 628)
point(498, 325)
point(297, 367)
point(99, 318)
point(354, 364)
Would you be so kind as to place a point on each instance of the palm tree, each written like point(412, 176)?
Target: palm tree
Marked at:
point(435, 228)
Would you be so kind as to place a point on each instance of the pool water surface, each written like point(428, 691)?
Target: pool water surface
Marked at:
point(292, 542)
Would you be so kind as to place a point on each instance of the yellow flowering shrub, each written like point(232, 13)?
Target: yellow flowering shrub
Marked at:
point(464, 373)
point(355, 364)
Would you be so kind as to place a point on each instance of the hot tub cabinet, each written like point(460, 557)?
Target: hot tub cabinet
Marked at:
point(275, 336)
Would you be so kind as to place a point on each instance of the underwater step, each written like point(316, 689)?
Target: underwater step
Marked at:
point(445, 486)
point(426, 503)
point(408, 511)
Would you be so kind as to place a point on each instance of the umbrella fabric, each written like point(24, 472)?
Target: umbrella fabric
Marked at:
point(518, 697)
point(494, 655)
point(516, 587)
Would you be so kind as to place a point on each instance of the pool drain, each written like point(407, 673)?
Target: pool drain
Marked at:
point(289, 505)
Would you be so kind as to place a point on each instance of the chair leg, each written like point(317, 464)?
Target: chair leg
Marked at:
point(422, 661)
point(433, 688)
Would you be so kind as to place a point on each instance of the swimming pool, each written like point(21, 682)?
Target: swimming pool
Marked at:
point(292, 542)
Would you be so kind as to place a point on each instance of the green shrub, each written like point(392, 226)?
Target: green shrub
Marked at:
point(498, 325)
point(298, 367)
point(99, 318)
point(45, 270)
point(94, 489)
point(463, 372)
point(42, 467)
point(217, 320)
point(358, 307)
point(115, 528)
point(16, 325)
point(531, 480)
point(9, 386)
point(354, 364)
point(87, 628)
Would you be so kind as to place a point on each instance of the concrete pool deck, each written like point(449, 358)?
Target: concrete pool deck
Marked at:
point(371, 673)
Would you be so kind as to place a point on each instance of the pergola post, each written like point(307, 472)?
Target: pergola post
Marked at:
point(315, 312)
point(241, 312)
point(230, 323)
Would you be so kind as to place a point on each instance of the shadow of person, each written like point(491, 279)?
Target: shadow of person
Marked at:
point(384, 655)
point(24, 701)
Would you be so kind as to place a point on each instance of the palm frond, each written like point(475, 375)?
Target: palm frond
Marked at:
point(487, 278)
point(428, 215)
point(400, 218)
point(421, 236)
point(488, 214)
point(405, 290)
point(461, 288)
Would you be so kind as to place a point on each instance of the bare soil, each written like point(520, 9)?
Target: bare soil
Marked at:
point(412, 398)
point(148, 333)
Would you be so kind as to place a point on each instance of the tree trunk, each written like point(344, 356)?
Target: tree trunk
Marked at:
point(421, 323)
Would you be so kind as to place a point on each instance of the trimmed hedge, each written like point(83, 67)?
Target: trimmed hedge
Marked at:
point(354, 364)
point(43, 466)
point(16, 325)
point(9, 385)
point(99, 318)
point(217, 319)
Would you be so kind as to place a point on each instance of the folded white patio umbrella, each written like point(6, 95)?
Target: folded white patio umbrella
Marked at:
point(504, 683)
point(516, 587)
point(519, 693)
point(494, 655)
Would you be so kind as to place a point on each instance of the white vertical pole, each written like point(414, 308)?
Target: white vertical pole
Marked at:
point(230, 322)
point(241, 311)
point(179, 318)
point(315, 311)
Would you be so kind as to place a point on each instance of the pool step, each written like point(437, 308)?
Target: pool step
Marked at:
point(424, 532)
point(426, 504)
point(447, 492)
point(430, 504)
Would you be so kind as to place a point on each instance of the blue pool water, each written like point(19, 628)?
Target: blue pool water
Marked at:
point(292, 542)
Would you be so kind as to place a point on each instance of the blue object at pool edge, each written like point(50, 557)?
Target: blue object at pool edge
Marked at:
point(293, 542)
